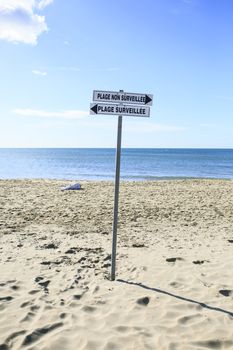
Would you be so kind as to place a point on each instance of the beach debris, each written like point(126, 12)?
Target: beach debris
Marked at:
point(73, 187)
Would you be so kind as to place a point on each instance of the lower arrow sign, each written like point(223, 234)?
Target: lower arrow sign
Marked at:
point(94, 109)
point(118, 109)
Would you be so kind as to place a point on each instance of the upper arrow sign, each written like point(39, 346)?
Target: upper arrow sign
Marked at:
point(122, 97)
point(148, 100)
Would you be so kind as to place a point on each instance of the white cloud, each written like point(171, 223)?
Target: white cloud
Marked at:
point(107, 69)
point(68, 68)
point(67, 114)
point(43, 3)
point(39, 72)
point(18, 21)
point(10, 5)
point(208, 125)
point(77, 69)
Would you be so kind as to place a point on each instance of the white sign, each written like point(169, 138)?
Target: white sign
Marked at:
point(114, 109)
point(122, 97)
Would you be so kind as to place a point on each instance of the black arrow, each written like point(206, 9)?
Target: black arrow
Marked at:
point(148, 99)
point(94, 108)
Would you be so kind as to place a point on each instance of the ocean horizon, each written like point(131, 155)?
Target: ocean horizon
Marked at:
point(99, 163)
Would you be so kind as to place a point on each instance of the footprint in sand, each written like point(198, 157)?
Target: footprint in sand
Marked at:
point(63, 315)
point(8, 298)
point(42, 283)
point(34, 307)
point(214, 344)
point(77, 296)
point(34, 291)
point(70, 251)
point(39, 278)
point(225, 292)
point(87, 308)
point(143, 301)
point(106, 265)
point(174, 259)
point(122, 329)
point(29, 317)
point(40, 332)
point(49, 246)
point(187, 320)
point(82, 259)
point(198, 262)
point(46, 263)
point(15, 287)
point(8, 342)
point(138, 245)
point(176, 284)
point(26, 303)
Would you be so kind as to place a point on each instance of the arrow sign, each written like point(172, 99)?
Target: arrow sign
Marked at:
point(94, 109)
point(122, 97)
point(114, 109)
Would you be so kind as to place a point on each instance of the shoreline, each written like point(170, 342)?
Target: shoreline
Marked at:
point(123, 179)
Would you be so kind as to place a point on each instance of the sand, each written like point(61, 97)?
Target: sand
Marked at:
point(174, 287)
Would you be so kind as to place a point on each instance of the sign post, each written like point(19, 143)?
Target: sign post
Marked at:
point(114, 103)
point(116, 199)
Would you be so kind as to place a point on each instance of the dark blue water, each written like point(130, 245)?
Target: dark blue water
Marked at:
point(99, 164)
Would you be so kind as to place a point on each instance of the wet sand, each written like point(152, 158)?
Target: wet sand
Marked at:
point(174, 287)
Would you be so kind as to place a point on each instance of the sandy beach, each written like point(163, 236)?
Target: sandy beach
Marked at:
point(174, 287)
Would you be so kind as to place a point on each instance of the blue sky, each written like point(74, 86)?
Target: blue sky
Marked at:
point(54, 53)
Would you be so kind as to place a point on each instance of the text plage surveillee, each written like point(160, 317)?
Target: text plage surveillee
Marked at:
point(117, 109)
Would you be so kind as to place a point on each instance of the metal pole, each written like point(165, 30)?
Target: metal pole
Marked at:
point(116, 197)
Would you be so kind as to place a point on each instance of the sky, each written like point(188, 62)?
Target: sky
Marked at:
point(54, 53)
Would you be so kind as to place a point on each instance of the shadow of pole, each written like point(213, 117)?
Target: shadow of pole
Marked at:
point(213, 308)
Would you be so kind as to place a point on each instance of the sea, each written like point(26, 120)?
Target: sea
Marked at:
point(99, 164)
